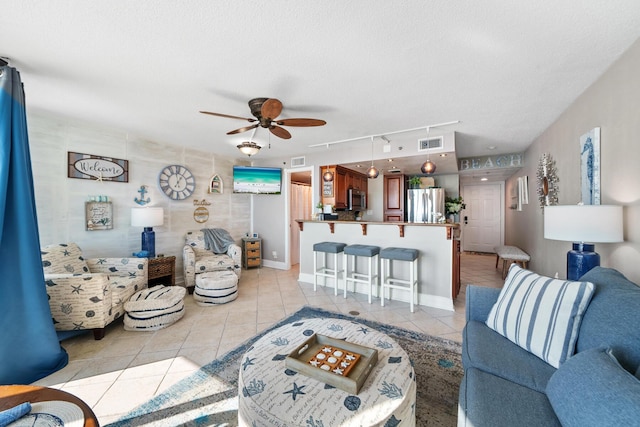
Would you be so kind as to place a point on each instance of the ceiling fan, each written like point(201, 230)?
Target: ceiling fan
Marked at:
point(266, 111)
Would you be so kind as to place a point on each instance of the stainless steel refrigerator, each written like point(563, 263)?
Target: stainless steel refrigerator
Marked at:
point(425, 205)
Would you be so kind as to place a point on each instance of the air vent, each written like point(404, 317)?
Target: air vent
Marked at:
point(394, 171)
point(297, 162)
point(430, 143)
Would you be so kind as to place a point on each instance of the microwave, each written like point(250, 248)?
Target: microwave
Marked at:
point(356, 200)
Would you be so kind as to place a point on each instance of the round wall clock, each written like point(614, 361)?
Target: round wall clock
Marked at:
point(547, 181)
point(176, 182)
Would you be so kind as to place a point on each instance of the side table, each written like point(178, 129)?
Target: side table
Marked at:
point(251, 252)
point(162, 271)
point(12, 395)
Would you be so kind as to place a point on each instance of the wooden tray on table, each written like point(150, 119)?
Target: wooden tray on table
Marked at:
point(346, 365)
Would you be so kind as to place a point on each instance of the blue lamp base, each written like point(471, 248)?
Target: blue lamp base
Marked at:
point(149, 242)
point(580, 260)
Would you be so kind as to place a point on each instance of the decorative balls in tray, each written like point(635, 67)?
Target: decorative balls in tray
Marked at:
point(334, 359)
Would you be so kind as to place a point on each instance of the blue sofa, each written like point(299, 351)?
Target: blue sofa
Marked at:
point(505, 385)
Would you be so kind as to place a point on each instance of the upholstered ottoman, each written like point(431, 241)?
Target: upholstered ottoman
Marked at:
point(216, 287)
point(509, 255)
point(154, 308)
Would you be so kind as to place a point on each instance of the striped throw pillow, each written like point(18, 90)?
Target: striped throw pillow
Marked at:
point(540, 314)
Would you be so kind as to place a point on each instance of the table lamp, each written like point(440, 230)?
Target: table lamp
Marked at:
point(581, 224)
point(147, 218)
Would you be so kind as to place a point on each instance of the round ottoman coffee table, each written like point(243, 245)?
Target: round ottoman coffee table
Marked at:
point(215, 287)
point(272, 395)
point(154, 308)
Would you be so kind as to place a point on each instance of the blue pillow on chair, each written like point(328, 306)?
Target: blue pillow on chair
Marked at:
point(592, 389)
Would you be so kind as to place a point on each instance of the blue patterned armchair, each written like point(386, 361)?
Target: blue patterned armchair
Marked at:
point(89, 294)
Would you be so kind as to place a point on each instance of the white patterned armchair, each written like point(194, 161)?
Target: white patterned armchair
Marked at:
point(197, 259)
point(89, 294)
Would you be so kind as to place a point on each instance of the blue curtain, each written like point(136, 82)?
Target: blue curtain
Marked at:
point(29, 347)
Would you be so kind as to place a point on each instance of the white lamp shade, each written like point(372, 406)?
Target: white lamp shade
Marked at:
point(583, 223)
point(147, 217)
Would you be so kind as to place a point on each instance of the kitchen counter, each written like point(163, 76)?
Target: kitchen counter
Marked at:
point(445, 224)
point(453, 229)
point(439, 246)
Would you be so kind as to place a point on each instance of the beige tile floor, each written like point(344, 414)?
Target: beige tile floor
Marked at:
point(125, 369)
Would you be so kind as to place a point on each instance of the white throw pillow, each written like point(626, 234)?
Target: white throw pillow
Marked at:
point(540, 314)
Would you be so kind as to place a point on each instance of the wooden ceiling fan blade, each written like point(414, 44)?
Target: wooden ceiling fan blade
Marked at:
point(271, 108)
point(228, 116)
point(280, 132)
point(244, 129)
point(301, 122)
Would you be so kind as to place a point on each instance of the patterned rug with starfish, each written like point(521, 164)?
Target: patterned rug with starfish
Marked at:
point(209, 397)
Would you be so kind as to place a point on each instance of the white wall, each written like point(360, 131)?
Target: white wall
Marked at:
point(60, 200)
point(613, 104)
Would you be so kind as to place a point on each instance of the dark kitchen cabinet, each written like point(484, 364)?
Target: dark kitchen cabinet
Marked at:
point(394, 197)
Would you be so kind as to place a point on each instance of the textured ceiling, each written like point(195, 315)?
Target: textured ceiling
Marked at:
point(506, 70)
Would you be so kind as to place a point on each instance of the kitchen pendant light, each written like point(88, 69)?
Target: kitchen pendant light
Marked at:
point(327, 176)
point(372, 172)
point(428, 167)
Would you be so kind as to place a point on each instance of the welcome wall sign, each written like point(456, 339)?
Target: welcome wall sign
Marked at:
point(99, 168)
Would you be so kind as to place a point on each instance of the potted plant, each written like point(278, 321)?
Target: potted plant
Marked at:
point(414, 182)
point(319, 207)
point(453, 206)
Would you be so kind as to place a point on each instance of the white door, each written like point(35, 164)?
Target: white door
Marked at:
point(300, 208)
point(482, 219)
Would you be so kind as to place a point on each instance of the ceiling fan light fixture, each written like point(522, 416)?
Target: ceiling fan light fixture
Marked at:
point(249, 148)
point(265, 111)
point(428, 167)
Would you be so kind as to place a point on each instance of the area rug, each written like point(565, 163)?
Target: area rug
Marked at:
point(209, 396)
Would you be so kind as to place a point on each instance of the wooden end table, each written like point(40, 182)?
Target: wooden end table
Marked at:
point(162, 271)
point(13, 395)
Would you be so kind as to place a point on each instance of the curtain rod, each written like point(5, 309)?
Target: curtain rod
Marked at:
point(327, 144)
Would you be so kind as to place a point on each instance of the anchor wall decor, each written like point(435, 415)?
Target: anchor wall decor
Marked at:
point(142, 201)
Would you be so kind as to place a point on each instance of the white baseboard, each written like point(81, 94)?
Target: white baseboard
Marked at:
point(275, 264)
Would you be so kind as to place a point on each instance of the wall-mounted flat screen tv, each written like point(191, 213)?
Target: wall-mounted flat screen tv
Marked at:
point(256, 180)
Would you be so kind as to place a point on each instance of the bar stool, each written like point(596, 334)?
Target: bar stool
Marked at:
point(387, 256)
point(324, 271)
point(353, 252)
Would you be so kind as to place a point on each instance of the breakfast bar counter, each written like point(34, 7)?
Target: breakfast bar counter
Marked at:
point(438, 244)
